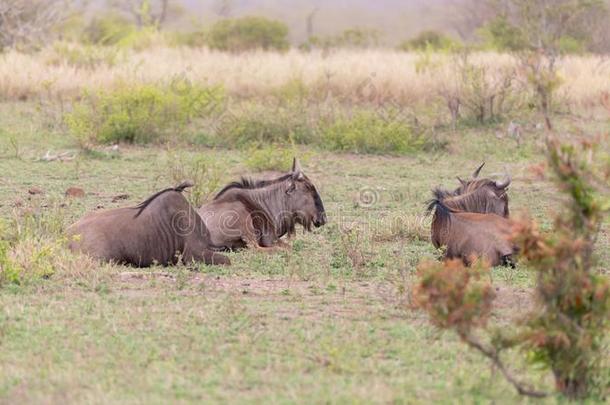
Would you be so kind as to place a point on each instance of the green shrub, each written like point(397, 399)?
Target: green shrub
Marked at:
point(193, 39)
point(368, 132)
point(570, 45)
point(260, 125)
point(429, 40)
point(29, 244)
point(269, 157)
point(500, 35)
point(350, 38)
point(204, 171)
point(108, 29)
point(9, 271)
point(83, 57)
point(247, 33)
point(141, 113)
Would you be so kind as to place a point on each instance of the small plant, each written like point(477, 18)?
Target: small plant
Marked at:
point(248, 33)
point(412, 228)
point(257, 125)
point(356, 37)
point(202, 170)
point(270, 157)
point(28, 247)
point(430, 41)
point(566, 331)
point(368, 132)
point(82, 57)
point(141, 113)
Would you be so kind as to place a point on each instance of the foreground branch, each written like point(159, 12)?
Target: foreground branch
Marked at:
point(493, 355)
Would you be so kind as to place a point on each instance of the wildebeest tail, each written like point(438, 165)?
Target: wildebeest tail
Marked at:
point(179, 188)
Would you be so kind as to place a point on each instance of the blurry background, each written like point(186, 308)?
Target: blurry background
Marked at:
point(384, 22)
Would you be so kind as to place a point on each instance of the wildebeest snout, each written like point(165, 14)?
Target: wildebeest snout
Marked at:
point(320, 220)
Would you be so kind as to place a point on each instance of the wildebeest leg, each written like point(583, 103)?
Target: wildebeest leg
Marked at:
point(207, 256)
point(253, 244)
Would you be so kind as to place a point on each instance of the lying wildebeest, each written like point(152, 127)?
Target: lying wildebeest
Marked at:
point(162, 230)
point(468, 235)
point(258, 213)
point(498, 187)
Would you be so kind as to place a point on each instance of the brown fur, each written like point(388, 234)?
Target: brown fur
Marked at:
point(468, 235)
point(162, 230)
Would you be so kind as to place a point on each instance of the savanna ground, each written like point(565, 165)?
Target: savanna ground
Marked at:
point(326, 322)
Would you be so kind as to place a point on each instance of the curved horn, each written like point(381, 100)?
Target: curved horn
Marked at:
point(462, 182)
point(504, 183)
point(296, 166)
point(475, 174)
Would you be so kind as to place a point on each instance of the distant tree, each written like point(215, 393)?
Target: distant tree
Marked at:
point(146, 13)
point(356, 37)
point(540, 32)
point(224, 8)
point(30, 23)
point(432, 40)
point(466, 17)
point(545, 24)
point(309, 25)
point(247, 33)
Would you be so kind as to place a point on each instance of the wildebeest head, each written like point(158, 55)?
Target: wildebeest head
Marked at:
point(304, 199)
point(498, 187)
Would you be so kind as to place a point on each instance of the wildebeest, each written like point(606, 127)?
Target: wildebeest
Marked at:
point(258, 213)
point(468, 235)
point(163, 230)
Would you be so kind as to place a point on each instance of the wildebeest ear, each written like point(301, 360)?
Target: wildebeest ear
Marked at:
point(476, 172)
point(504, 183)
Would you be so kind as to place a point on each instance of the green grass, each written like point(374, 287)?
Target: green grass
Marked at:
point(328, 322)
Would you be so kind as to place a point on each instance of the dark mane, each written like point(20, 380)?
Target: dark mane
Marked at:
point(180, 188)
point(249, 184)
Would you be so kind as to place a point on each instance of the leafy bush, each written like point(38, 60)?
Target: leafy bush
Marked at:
point(109, 29)
point(193, 39)
point(248, 33)
point(259, 125)
point(28, 246)
point(368, 132)
point(83, 57)
point(269, 157)
point(500, 35)
point(429, 40)
point(141, 113)
point(350, 38)
point(202, 170)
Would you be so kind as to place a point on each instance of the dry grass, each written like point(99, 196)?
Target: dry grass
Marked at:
point(371, 75)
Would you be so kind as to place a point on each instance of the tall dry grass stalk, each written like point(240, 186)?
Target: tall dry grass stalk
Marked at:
point(351, 75)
